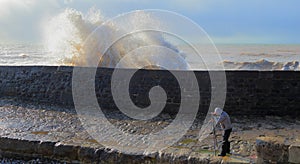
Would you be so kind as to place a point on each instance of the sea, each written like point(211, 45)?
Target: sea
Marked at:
point(234, 57)
point(67, 41)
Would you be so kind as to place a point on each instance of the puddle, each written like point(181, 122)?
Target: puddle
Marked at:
point(40, 132)
point(93, 141)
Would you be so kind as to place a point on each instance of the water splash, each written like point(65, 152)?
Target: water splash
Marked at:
point(261, 64)
point(66, 33)
point(65, 36)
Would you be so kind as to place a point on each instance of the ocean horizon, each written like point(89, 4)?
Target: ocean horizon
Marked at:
point(234, 56)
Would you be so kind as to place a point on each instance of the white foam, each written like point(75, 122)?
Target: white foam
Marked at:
point(262, 64)
point(66, 34)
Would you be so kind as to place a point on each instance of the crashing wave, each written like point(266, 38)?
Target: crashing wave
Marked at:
point(291, 66)
point(66, 34)
point(262, 64)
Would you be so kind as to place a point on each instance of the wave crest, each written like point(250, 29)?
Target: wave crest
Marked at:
point(67, 32)
point(261, 64)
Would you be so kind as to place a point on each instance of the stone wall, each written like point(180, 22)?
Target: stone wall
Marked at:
point(248, 92)
point(277, 150)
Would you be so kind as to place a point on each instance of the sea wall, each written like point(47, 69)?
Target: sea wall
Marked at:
point(248, 92)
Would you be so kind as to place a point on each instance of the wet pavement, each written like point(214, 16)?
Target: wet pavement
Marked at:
point(38, 132)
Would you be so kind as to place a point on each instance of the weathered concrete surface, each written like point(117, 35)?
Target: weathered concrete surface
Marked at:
point(277, 150)
point(294, 152)
point(248, 92)
point(272, 149)
point(40, 133)
point(56, 132)
point(33, 131)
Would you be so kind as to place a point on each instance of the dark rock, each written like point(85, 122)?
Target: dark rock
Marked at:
point(271, 149)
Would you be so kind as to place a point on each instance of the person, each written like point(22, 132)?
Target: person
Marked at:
point(224, 121)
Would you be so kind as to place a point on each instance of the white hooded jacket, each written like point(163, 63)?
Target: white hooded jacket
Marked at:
point(224, 119)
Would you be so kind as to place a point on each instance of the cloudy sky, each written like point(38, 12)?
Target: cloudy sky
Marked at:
point(226, 21)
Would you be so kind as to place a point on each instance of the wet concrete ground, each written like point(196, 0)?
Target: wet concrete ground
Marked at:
point(57, 133)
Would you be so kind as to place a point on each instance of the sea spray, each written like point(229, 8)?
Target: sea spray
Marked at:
point(67, 32)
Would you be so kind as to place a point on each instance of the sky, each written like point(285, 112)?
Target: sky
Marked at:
point(225, 21)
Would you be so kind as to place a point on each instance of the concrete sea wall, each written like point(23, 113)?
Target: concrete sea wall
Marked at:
point(248, 92)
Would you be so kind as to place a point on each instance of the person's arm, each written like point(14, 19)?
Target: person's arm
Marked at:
point(221, 119)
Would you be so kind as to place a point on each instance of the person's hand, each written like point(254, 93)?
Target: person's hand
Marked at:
point(212, 120)
point(212, 113)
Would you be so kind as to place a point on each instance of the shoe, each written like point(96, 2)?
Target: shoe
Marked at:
point(221, 155)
